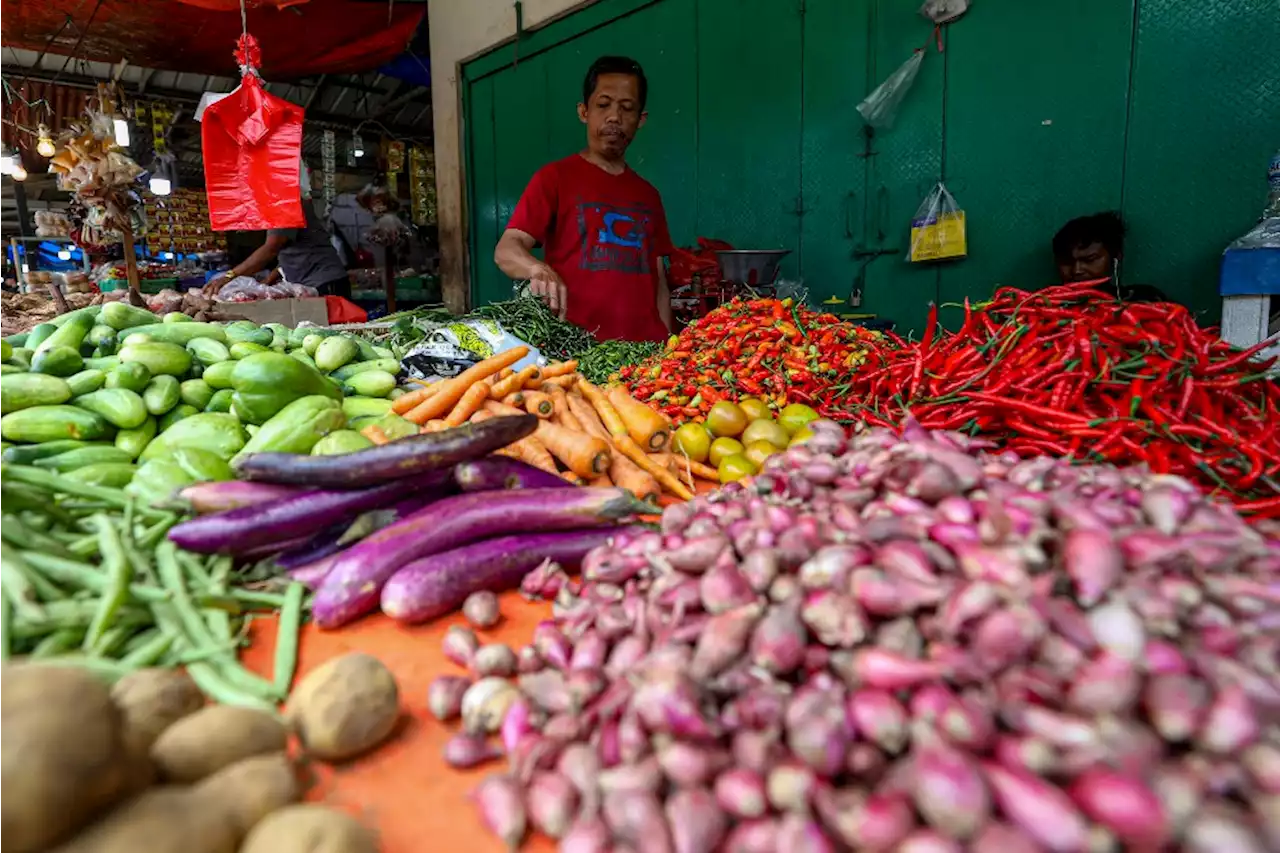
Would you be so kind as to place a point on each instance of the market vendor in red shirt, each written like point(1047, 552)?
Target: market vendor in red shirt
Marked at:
point(601, 225)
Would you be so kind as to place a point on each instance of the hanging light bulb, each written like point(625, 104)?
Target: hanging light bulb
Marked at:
point(7, 162)
point(19, 172)
point(120, 126)
point(44, 142)
point(159, 185)
point(357, 145)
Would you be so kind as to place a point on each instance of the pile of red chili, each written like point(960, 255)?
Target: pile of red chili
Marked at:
point(772, 349)
point(1069, 371)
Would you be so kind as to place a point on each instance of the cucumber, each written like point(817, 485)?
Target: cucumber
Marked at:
point(220, 401)
point(243, 330)
point(26, 454)
point(6, 350)
point(21, 357)
point(51, 423)
point(301, 356)
point(120, 407)
point(78, 315)
point(17, 340)
point(133, 376)
point(366, 352)
point(24, 390)
point(175, 317)
point(335, 352)
point(160, 357)
point(134, 441)
point(180, 333)
point(177, 413)
point(106, 363)
point(11, 368)
point(113, 475)
point(70, 334)
point(82, 456)
point(372, 383)
point(311, 343)
point(57, 361)
point(207, 351)
point(390, 365)
point(38, 334)
point(100, 334)
point(341, 441)
point(121, 315)
point(243, 349)
point(86, 381)
point(219, 375)
point(359, 407)
point(162, 394)
point(138, 338)
point(396, 393)
point(196, 392)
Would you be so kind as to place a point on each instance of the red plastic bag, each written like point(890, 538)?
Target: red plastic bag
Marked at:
point(252, 144)
point(344, 311)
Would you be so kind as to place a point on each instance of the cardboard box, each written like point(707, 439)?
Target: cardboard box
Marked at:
point(289, 312)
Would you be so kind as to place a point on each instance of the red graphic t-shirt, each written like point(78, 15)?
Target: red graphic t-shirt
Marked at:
point(605, 235)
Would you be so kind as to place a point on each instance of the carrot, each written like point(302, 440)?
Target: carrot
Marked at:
point(608, 414)
point(515, 398)
point(451, 390)
point(415, 397)
point(434, 425)
point(502, 408)
point(699, 470)
point(468, 405)
point(514, 382)
point(586, 416)
point(665, 478)
point(538, 403)
point(625, 473)
point(536, 454)
point(583, 454)
point(560, 405)
point(560, 369)
point(503, 373)
point(649, 429)
point(570, 477)
point(374, 433)
point(566, 382)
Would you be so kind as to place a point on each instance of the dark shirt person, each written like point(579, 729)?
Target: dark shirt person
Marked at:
point(601, 225)
point(1091, 248)
point(305, 256)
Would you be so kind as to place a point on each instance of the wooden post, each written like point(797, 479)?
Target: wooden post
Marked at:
point(131, 267)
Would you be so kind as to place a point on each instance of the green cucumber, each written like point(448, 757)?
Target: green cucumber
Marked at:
point(244, 349)
point(207, 351)
point(50, 423)
point(301, 356)
point(78, 315)
point(6, 350)
point(86, 381)
point(139, 338)
point(196, 392)
point(120, 407)
point(24, 390)
point(359, 407)
point(311, 343)
point(38, 335)
point(341, 441)
point(82, 456)
point(121, 315)
point(384, 352)
point(134, 441)
point(159, 357)
point(70, 334)
point(57, 361)
point(175, 317)
point(26, 454)
point(21, 357)
point(133, 376)
point(18, 340)
point(243, 330)
point(219, 375)
point(106, 363)
point(113, 475)
point(11, 368)
point(335, 352)
point(180, 333)
point(371, 383)
point(220, 401)
point(388, 365)
point(177, 413)
point(100, 334)
point(162, 394)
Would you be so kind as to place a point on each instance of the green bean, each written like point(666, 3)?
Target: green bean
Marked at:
point(196, 655)
point(16, 583)
point(221, 690)
point(88, 577)
point(85, 546)
point(14, 531)
point(148, 653)
point(274, 600)
point(57, 483)
point(140, 639)
point(112, 641)
point(44, 589)
point(71, 614)
point(153, 534)
point(57, 643)
point(286, 659)
point(106, 668)
point(119, 574)
point(195, 568)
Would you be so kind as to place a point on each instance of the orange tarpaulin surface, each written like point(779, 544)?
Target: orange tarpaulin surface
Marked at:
point(404, 787)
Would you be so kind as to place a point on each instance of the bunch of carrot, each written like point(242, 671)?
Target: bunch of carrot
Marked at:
point(585, 434)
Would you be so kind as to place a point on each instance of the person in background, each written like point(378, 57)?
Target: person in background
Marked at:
point(1091, 248)
point(602, 226)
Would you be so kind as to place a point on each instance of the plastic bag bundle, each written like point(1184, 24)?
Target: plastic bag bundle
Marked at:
point(451, 348)
point(880, 108)
point(937, 229)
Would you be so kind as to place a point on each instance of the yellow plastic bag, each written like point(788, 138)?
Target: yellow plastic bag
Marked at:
point(937, 229)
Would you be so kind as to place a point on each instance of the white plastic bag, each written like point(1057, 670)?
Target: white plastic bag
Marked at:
point(451, 348)
point(880, 108)
point(944, 11)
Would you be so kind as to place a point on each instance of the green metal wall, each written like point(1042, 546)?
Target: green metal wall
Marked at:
point(1165, 109)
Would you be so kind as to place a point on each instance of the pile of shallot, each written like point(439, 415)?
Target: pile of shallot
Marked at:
point(898, 643)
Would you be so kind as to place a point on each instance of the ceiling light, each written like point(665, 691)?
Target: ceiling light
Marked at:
point(19, 172)
point(159, 185)
point(121, 128)
point(357, 145)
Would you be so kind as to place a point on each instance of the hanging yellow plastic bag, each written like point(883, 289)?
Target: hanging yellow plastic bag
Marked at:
point(937, 229)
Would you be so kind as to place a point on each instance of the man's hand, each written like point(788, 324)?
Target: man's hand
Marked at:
point(211, 288)
point(546, 284)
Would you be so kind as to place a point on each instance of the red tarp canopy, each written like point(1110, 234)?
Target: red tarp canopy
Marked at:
point(307, 38)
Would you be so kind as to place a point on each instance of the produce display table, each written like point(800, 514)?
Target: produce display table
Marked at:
point(404, 788)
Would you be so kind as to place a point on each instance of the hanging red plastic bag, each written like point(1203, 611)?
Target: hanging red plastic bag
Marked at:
point(252, 144)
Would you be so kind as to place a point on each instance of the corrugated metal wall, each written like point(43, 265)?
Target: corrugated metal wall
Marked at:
point(1035, 113)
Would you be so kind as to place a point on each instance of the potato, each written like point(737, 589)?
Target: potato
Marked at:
point(161, 820)
point(345, 707)
point(214, 737)
point(310, 828)
point(249, 790)
point(64, 759)
point(151, 701)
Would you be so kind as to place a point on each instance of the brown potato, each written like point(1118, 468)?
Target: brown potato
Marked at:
point(63, 754)
point(345, 707)
point(310, 828)
point(214, 737)
point(151, 701)
point(251, 789)
point(161, 820)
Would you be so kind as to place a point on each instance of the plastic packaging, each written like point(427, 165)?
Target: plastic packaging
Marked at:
point(937, 229)
point(451, 348)
point(880, 108)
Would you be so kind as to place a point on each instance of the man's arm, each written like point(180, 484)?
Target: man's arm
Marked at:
point(514, 256)
point(259, 260)
point(664, 297)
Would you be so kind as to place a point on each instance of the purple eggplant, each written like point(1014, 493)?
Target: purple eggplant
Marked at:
point(495, 473)
point(353, 586)
point(407, 457)
point(332, 541)
point(252, 528)
point(436, 585)
point(220, 496)
point(312, 575)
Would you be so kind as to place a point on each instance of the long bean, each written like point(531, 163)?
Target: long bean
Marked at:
point(18, 534)
point(219, 689)
point(148, 653)
point(16, 585)
point(286, 658)
point(57, 483)
point(119, 574)
point(59, 642)
point(85, 576)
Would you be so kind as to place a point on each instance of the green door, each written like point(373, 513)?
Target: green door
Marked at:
point(1035, 116)
point(488, 283)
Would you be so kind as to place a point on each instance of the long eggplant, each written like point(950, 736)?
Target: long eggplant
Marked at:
point(332, 541)
point(250, 528)
point(352, 588)
point(395, 460)
point(223, 495)
point(494, 473)
point(312, 575)
point(436, 585)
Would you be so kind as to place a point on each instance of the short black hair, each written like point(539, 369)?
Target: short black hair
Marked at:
point(1105, 228)
point(614, 65)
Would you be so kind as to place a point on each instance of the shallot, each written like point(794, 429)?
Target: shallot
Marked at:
point(481, 609)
